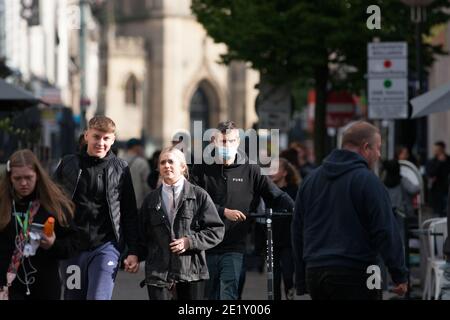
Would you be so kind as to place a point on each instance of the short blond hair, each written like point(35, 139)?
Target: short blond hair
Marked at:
point(180, 156)
point(103, 124)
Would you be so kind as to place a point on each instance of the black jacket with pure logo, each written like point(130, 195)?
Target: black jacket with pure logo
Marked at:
point(238, 187)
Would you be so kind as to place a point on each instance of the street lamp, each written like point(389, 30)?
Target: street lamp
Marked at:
point(418, 16)
point(82, 53)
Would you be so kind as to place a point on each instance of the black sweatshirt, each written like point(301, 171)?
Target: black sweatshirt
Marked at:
point(238, 187)
point(92, 213)
point(47, 285)
point(281, 226)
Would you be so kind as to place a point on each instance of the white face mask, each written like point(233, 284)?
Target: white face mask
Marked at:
point(226, 153)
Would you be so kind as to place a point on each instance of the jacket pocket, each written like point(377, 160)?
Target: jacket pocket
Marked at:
point(156, 226)
point(186, 217)
point(195, 264)
point(187, 213)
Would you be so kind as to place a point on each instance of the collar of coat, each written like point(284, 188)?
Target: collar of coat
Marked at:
point(188, 193)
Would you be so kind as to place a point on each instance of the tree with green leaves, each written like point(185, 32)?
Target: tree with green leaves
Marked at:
point(320, 43)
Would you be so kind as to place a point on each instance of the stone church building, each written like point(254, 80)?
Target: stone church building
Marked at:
point(159, 72)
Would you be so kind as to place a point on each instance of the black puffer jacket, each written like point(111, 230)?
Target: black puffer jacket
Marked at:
point(196, 218)
point(119, 195)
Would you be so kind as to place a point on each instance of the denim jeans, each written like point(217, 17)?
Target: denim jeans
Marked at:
point(224, 273)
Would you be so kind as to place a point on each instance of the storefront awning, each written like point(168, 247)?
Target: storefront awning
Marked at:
point(15, 98)
point(434, 101)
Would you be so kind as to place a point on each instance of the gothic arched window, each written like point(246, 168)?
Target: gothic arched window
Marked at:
point(131, 90)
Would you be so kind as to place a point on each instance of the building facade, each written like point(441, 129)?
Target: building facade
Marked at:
point(438, 123)
point(2, 30)
point(159, 72)
point(149, 65)
point(46, 53)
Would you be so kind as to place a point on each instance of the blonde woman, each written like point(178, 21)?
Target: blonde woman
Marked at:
point(178, 223)
point(29, 258)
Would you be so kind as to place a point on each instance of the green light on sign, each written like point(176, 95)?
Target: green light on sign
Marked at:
point(387, 84)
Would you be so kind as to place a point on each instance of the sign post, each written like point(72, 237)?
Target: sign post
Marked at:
point(387, 67)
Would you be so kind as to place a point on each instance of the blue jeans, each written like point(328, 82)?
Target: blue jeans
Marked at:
point(98, 270)
point(224, 273)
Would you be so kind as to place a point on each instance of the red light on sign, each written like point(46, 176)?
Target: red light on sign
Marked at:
point(387, 63)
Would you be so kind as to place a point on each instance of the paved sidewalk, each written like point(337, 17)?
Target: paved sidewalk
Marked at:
point(127, 287)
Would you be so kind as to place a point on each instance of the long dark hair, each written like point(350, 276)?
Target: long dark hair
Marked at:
point(50, 195)
point(392, 177)
point(293, 177)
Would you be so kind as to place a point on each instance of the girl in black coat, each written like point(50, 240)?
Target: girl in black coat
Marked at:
point(29, 257)
point(178, 223)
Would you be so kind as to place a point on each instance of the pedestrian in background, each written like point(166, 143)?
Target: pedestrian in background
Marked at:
point(401, 191)
point(139, 169)
point(178, 223)
point(29, 258)
point(304, 165)
point(402, 153)
point(343, 220)
point(288, 180)
point(153, 179)
point(438, 171)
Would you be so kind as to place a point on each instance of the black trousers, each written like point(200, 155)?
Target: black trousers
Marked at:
point(283, 267)
point(183, 291)
point(339, 283)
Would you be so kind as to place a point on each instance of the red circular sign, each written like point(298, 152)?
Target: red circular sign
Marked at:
point(387, 63)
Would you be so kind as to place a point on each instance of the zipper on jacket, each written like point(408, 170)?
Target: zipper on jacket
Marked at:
point(109, 208)
point(76, 183)
point(165, 215)
point(169, 230)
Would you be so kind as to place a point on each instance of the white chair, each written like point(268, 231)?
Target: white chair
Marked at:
point(440, 229)
point(425, 273)
point(435, 234)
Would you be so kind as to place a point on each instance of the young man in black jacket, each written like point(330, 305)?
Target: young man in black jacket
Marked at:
point(343, 220)
point(235, 189)
point(100, 185)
